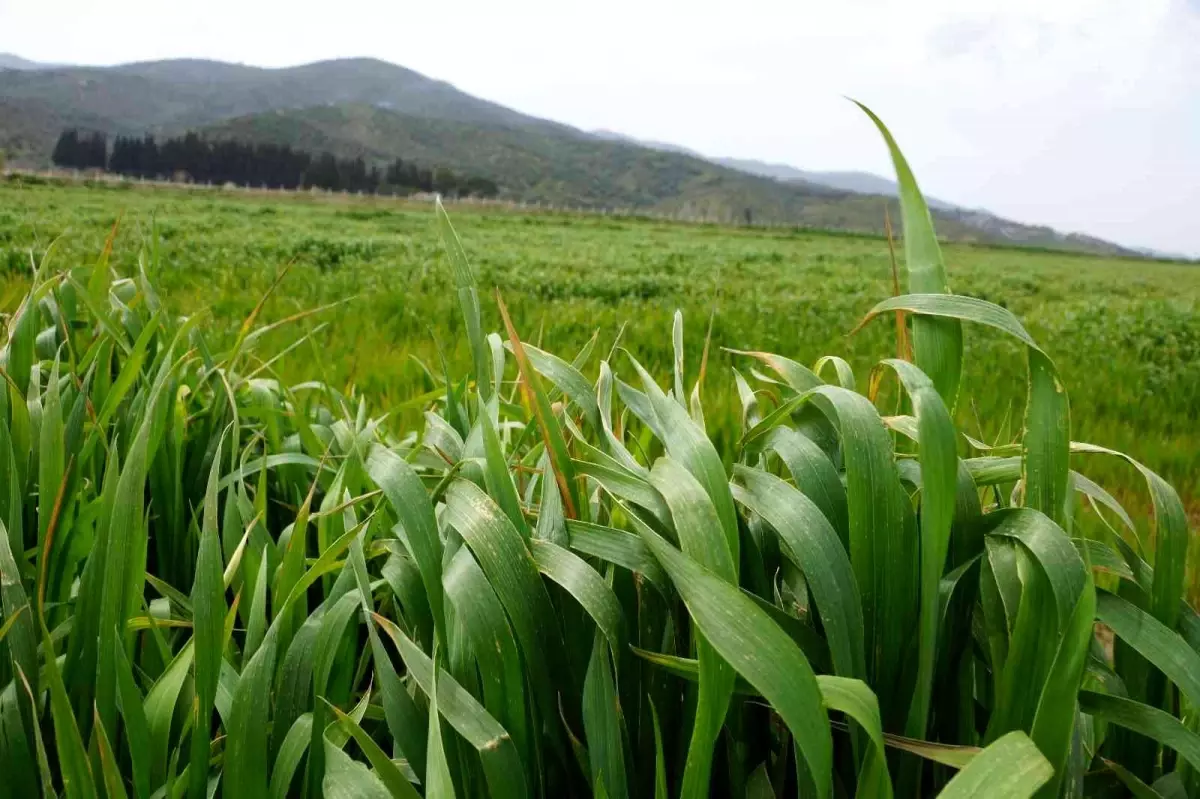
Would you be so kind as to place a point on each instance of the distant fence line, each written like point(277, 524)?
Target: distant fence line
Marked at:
point(685, 215)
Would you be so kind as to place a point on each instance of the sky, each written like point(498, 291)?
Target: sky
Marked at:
point(1080, 114)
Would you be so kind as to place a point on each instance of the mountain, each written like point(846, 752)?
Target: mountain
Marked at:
point(10, 61)
point(983, 223)
point(1000, 229)
point(551, 167)
point(597, 171)
point(156, 95)
point(667, 147)
point(856, 182)
point(382, 111)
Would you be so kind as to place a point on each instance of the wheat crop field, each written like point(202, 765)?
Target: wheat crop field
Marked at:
point(307, 495)
point(1126, 329)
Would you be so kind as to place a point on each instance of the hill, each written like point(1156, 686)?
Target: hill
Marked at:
point(10, 61)
point(610, 172)
point(984, 223)
point(988, 223)
point(856, 182)
point(187, 93)
point(382, 111)
point(549, 167)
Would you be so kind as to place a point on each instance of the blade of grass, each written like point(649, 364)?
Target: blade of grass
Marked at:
point(619, 547)
point(761, 652)
point(585, 585)
point(602, 723)
point(1151, 722)
point(208, 619)
point(552, 435)
point(939, 486)
point(811, 543)
point(701, 537)
point(1047, 412)
point(1011, 768)
point(937, 343)
point(410, 501)
point(501, 764)
point(346, 778)
point(114, 786)
point(481, 615)
point(246, 749)
point(505, 560)
point(292, 750)
point(468, 298)
point(388, 773)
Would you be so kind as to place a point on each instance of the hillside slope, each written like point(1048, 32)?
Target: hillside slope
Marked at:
point(155, 95)
point(570, 170)
point(987, 223)
point(11, 61)
point(857, 182)
point(593, 172)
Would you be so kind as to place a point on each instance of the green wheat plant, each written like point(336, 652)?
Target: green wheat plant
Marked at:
point(214, 583)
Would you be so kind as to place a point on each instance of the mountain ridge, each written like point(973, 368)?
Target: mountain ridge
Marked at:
point(846, 180)
point(13, 61)
point(154, 95)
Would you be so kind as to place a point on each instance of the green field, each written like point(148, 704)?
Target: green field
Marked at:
point(1123, 332)
point(261, 536)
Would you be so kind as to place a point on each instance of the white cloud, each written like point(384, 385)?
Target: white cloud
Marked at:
point(1083, 114)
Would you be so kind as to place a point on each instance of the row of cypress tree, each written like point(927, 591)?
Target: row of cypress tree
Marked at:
point(192, 157)
point(81, 150)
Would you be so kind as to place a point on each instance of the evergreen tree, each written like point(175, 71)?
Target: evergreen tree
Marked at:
point(481, 187)
point(324, 172)
point(120, 160)
point(353, 174)
point(66, 150)
point(445, 182)
point(424, 180)
point(96, 152)
point(147, 158)
point(81, 151)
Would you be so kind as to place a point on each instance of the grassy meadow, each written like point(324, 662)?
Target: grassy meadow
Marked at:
point(1124, 332)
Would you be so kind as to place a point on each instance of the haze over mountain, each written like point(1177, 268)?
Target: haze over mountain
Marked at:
point(10, 61)
point(378, 110)
point(132, 98)
point(857, 182)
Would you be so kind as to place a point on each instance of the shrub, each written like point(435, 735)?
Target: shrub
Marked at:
point(213, 581)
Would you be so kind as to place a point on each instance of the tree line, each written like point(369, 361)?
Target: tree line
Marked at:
point(76, 150)
point(192, 157)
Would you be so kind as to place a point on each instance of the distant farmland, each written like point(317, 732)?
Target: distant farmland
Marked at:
point(603, 488)
point(1129, 326)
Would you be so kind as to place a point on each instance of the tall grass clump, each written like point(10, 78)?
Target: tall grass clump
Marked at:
point(214, 583)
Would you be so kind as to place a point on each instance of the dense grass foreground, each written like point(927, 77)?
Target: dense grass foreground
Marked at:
point(216, 582)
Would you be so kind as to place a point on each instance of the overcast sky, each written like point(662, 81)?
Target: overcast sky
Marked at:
point(1081, 114)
